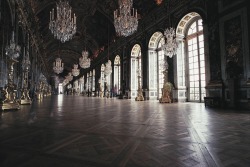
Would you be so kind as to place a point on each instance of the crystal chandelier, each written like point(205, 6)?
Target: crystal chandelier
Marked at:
point(75, 70)
point(84, 61)
point(63, 25)
point(125, 18)
point(13, 50)
point(170, 45)
point(58, 66)
point(108, 68)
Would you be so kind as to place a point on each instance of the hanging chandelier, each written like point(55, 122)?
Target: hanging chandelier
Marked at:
point(75, 70)
point(58, 66)
point(63, 25)
point(13, 50)
point(108, 68)
point(170, 45)
point(84, 61)
point(125, 18)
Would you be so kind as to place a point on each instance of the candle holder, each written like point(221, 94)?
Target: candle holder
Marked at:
point(9, 101)
point(139, 91)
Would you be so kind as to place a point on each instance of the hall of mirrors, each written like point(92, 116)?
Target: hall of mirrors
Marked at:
point(124, 83)
point(138, 68)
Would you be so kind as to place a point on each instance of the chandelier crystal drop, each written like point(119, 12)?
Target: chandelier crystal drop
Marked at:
point(84, 61)
point(13, 50)
point(125, 18)
point(58, 66)
point(170, 45)
point(75, 70)
point(108, 68)
point(62, 24)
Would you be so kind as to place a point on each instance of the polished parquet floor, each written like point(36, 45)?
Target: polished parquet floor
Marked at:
point(77, 131)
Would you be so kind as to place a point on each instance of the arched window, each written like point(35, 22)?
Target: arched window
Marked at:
point(107, 79)
point(102, 77)
point(155, 60)
point(191, 28)
point(196, 63)
point(93, 80)
point(90, 81)
point(87, 83)
point(135, 67)
point(117, 74)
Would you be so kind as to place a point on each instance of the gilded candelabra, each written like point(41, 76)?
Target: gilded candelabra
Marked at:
point(100, 88)
point(39, 90)
point(9, 100)
point(166, 90)
point(139, 91)
point(25, 98)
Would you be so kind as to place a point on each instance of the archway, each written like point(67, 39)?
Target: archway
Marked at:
point(191, 59)
point(135, 67)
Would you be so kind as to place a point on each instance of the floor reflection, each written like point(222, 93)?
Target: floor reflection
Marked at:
point(76, 130)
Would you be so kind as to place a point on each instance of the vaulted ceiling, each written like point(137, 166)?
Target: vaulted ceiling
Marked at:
point(94, 28)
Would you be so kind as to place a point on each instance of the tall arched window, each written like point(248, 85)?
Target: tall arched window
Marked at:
point(93, 80)
point(191, 28)
point(117, 73)
point(90, 81)
point(135, 66)
point(102, 77)
point(196, 63)
point(155, 60)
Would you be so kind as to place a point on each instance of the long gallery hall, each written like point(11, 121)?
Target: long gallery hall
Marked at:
point(124, 83)
point(97, 132)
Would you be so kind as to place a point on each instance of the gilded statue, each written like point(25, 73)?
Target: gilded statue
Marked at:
point(167, 93)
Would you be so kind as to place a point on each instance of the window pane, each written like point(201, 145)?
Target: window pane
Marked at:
point(196, 59)
point(203, 83)
point(201, 38)
point(201, 57)
point(191, 60)
point(196, 77)
point(203, 77)
point(196, 65)
point(202, 64)
point(194, 41)
point(194, 47)
point(202, 70)
point(190, 47)
point(191, 71)
point(197, 97)
point(196, 84)
point(191, 85)
point(195, 53)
